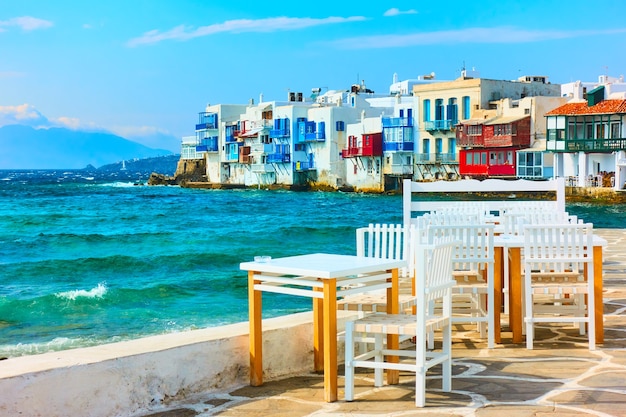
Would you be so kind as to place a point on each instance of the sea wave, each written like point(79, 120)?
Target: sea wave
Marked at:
point(98, 291)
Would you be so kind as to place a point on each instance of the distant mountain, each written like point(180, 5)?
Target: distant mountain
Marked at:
point(140, 168)
point(23, 147)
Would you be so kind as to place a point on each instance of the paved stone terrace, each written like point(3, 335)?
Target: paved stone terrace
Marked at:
point(559, 378)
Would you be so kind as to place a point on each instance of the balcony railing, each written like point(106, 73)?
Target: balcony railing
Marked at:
point(359, 151)
point(262, 168)
point(397, 121)
point(587, 145)
point(303, 166)
point(206, 126)
point(436, 158)
point(315, 137)
point(438, 125)
point(278, 158)
point(398, 169)
point(280, 133)
point(207, 145)
point(398, 146)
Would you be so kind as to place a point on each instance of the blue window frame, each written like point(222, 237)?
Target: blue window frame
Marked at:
point(427, 110)
point(466, 107)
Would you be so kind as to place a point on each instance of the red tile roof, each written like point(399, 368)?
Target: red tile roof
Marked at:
point(603, 107)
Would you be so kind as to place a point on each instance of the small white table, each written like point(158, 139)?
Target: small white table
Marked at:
point(511, 246)
point(322, 277)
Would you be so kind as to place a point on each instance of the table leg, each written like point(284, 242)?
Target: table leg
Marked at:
point(497, 292)
point(597, 291)
point(318, 332)
point(393, 341)
point(330, 340)
point(256, 332)
point(515, 294)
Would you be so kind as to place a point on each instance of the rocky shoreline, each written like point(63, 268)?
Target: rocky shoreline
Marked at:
point(192, 174)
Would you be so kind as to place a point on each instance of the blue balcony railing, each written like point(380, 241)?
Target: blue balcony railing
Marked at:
point(278, 158)
point(397, 121)
point(280, 133)
point(206, 121)
point(303, 165)
point(441, 158)
point(208, 144)
point(438, 125)
point(398, 146)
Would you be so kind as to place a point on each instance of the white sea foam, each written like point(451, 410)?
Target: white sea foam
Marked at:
point(97, 292)
point(116, 184)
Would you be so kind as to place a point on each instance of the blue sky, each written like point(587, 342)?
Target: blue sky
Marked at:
point(145, 67)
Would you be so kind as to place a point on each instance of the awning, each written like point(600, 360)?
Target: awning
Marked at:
point(537, 146)
point(250, 133)
point(505, 120)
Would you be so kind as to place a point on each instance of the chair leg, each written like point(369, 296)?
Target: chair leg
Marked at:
point(378, 358)
point(420, 388)
point(430, 337)
point(446, 366)
point(491, 339)
point(349, 367)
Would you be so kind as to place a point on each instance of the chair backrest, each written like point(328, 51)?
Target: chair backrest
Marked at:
point(428, 194)
point(433, 271)
point(384, 241)
point(514, 221)
point(475, 245)
point(558, 247)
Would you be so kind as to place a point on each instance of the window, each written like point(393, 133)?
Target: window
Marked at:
point(600, 130)
point(466, 107)
point(475, 130)
point(340, 126)
point(615, 131)
point(426, 110)
point(499, 130)
point(451, 145)
point(439, 111)
point(452, 111)
point(468, 158)
point(426, 146)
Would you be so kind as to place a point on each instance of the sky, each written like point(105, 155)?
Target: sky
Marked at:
point(144, 69)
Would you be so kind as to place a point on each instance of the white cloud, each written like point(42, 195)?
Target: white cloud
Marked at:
point(394, 11)
point(27, 23)
point(470, 35)
point(271, 24)
point(70, 122)
point(23, 114)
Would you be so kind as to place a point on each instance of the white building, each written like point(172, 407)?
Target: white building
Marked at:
point(588, 134)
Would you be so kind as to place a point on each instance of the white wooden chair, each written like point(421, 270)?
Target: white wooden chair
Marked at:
point(473, 271)
point(386, 241)
point(558, 263)
point(513, 221)
point(433, 274)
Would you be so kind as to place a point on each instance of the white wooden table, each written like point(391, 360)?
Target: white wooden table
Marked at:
point(511, 246)
point(324, 278)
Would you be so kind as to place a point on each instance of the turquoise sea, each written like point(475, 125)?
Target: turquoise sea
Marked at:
point(86, 260)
